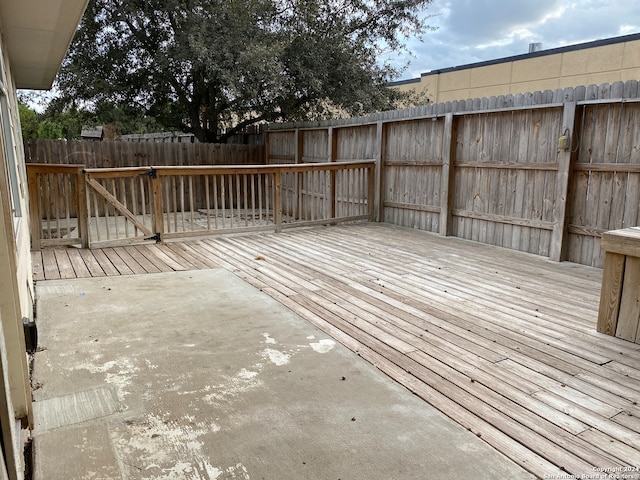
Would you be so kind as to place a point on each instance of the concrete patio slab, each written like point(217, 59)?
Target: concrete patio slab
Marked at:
point(198, 375)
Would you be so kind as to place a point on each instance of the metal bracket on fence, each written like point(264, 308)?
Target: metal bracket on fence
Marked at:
point(153, 173)
point(155, 237)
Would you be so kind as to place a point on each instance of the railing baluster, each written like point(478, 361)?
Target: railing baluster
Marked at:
point(174, 203)
point(99, 206)
point(246, 203)
point(349, 192)
point(215, 201)
point(191, 210)
point(325, 194)
point(167, 191)
point(231, 199)
point(238, 204)
point(115, 212)
point(268, 191)
point(223, 198)
point(207, 202)
point(66, 195)
point(371, 194)
point(134, 204)
point(314, 195)
point(261, 180)
point(123, 192)
point(298, 200)
point(183, 218)
point(253, 199)
point(277, 200)
point(47, 205)
point(143, 203)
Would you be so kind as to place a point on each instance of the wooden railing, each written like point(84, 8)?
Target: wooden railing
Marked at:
point(114, 206)
point(57, 202)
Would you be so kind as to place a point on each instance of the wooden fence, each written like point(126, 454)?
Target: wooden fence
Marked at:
point(115, 206)
point(118, 154)
point(545, 173)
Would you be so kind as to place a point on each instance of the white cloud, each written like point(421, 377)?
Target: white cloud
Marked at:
point(478, 30)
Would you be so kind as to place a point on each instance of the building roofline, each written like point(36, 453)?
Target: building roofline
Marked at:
point(523, 56)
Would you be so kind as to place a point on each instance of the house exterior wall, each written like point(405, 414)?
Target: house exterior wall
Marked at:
point(604, 61)
point(16, 284)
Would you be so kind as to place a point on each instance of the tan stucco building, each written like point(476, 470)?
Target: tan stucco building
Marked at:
point(34, 37)
point(597, 62)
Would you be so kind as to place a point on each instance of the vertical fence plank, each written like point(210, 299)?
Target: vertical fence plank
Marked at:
point(377, 203)
point(447, 175)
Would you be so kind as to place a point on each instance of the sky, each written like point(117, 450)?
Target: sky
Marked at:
point(470, 31)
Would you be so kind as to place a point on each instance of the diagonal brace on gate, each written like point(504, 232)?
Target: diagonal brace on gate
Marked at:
point(118, 205)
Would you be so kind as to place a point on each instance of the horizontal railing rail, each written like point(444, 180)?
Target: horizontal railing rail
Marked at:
point(115, 206)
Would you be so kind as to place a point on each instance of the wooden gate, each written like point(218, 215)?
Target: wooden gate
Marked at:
point(120, 206)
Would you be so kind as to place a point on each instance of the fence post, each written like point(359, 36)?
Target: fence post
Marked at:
point(446, 176)
point(158, 214)
point(371, 194)
point(82, 208)
point(558, 247)
point(35, 220)
point(277, 200)
point(333, 197)
point(333, 147)
point(299, 185)
point(378, 198)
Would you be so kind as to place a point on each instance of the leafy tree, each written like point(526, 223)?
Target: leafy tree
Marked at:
point(64, 119)
point(206, 65)
point(50, 129)
point(68, 117)
point(28, 121)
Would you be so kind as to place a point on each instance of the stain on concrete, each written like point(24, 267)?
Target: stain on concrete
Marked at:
point(323, 346)
point(276, 356)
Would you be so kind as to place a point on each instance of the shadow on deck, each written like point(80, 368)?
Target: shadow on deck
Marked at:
point(503, 343)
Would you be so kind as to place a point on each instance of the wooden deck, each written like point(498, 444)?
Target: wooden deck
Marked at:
point(502, 342)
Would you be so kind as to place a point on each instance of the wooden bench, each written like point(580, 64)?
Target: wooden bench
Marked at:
point(619, 312)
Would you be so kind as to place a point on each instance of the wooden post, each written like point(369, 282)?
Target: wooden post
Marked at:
point(333, 148)
point(378, 184)
point(610, 293)
point(629, 312)
point(447, 176)
point(333, 198)
point(35, 220)
point(158, 213)
point(299, 142)
point(371, 194)
point(82, 208)
point(277, 200)
point(558, 247)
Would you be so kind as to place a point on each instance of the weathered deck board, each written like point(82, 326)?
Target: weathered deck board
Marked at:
point(502, 342)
